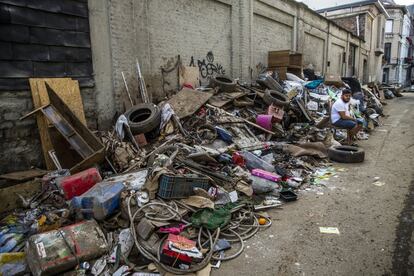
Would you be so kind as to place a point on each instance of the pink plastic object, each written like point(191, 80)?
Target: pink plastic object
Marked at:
point(266, 175)
point(77, 184)
point(264, 121)
point(173, 230)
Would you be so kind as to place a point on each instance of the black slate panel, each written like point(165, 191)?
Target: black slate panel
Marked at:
point(28, 17)
point(14, 33)
point(79, 69)
point(6, 50)
point(78, 8)
point(44, 38)
point(76, 39)
point(60, 53)
point(21, 3)
point(59, 37)
point(31, 17)
point(30, 52)
point(75, 8)
point(14, 84)
point(49, 69)
point(4, 14)
point(16, 69)
point(82, 24)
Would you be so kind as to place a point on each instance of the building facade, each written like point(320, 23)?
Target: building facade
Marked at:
point(410, 39)
point(366, 20)
point(231, 37)
point(397, 65)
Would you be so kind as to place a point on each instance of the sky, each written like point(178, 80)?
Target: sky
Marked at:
point(320, 4)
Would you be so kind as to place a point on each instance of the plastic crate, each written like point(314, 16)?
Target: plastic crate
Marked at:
point(173, 186)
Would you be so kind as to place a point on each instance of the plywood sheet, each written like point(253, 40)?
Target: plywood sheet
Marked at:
point(187, 101)
point(68, 90)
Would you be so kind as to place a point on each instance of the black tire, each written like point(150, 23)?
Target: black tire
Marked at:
point(160, 150)
point(346, 154)
point(225, 84)
point(275, 97)
point(143, 118)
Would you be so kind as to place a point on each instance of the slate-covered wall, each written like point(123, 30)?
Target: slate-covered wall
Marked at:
point(39, 38)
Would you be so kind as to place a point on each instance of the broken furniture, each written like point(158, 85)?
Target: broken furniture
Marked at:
point(285, 62)
point(76, 147)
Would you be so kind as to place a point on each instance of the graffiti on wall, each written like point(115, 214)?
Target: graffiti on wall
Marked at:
point(207, 67)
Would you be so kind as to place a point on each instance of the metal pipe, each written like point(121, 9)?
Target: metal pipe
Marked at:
point(141, 85)
point(127, 90)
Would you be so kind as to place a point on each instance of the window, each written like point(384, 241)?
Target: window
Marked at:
point(389, 25)
point(387, 52)
point(351, 59)
point(385, 75)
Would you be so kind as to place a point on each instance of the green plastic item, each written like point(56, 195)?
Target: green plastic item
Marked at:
point(211, 218)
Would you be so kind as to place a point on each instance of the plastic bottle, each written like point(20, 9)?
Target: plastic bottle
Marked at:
point(254, 162)
point(261, 185)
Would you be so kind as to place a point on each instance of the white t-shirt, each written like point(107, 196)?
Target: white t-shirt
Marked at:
point(338, 106)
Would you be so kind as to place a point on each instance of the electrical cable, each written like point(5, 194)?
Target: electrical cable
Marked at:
point(230, 232)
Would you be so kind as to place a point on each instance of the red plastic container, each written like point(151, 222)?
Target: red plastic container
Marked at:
point(77, 184)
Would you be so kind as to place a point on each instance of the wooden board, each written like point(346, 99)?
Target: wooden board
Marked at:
point(9, 198)
point(187, 101)
point(296, 60)
point(24, 175)
point(278, 58)
point(222, 99)
point(69, 92)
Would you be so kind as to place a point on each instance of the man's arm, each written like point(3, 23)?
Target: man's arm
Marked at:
point(345, 117)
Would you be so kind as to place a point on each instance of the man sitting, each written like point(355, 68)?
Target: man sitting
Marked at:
point(341, 118)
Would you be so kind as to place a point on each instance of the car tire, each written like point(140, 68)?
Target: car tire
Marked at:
point(225, 84)
point(346, 154)
point(275, 97)
point(143, 118)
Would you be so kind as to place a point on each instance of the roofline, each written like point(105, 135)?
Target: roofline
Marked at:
point(377, 3)
point(327, 19)
point(401, 7)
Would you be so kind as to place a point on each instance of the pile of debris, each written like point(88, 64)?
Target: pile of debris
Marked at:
point(176, 187)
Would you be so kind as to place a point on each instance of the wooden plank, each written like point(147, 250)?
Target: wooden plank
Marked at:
point(24, 175)
point(68, 91)
point(296, 60)
point(9, 198)
point(187, 101)
point(42, 125)
point(278, 58)
point(81, 131)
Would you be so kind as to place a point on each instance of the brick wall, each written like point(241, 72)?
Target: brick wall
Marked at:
point(236, 33)
point(20, 146)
